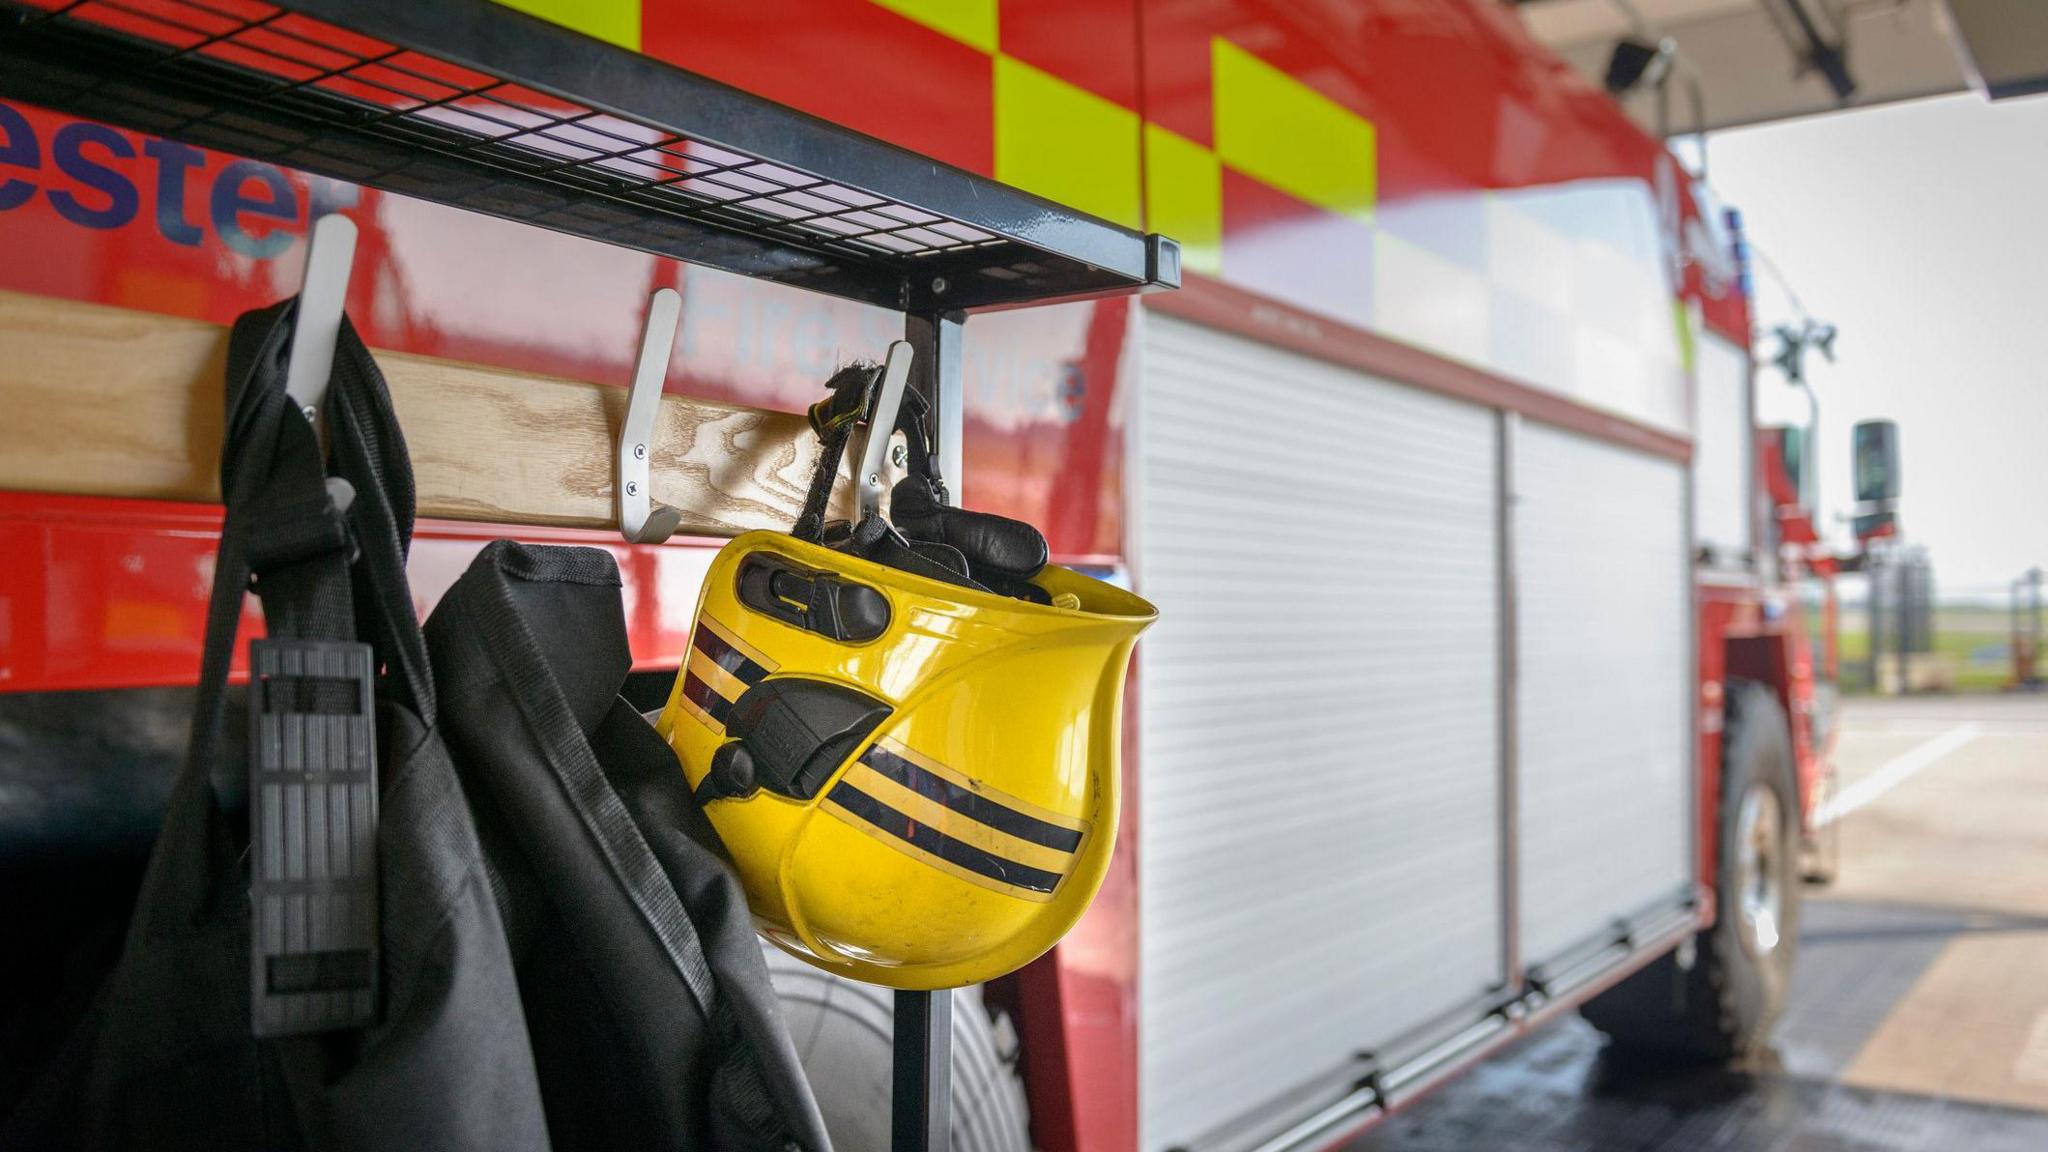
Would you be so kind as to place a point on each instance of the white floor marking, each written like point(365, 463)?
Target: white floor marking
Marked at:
point(1894, 773)
point(2032, 1065)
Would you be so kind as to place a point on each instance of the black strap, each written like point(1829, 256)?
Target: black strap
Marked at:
point(369, 452)
point(917, 440)
point(833, 419)
point(283, 528)
point(551, 695)
point(929, 537)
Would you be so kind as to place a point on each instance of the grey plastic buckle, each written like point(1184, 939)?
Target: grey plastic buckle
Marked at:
point(312, 836)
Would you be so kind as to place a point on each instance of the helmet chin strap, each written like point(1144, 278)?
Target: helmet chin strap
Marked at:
point(833, 420)
point(928, 537)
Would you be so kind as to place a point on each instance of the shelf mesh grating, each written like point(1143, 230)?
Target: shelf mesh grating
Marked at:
point(264, 81)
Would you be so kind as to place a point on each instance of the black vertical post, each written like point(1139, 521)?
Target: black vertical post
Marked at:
point(922, 1081)
point(922, 1088)
point(935, 345)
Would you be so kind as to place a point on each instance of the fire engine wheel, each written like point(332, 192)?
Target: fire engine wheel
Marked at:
point(842, 1031)
point(1725, 1004)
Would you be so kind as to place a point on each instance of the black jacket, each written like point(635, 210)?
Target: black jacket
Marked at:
point(165, 1057)
point(652, 1020)
point(564, 958)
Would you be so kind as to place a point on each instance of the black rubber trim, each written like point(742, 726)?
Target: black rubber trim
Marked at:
point(972, 805)
point(929, 839)
point(831, 606)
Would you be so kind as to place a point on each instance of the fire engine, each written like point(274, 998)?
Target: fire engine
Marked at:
point(1483, 691)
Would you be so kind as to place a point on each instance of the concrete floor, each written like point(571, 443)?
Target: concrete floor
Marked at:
point(1919, 1014)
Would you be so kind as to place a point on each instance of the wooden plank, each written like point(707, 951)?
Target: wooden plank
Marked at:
point(111, 402)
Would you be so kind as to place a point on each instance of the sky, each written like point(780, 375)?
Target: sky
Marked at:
point(1921, 231)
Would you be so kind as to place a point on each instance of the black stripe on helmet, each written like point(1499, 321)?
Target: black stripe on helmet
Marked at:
point(715, 649)
point(697, 692)
point(970, 804)
point(926, 838)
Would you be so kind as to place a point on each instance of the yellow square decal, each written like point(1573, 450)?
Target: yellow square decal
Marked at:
point(1184, 197)
point(1065, 143)
point(972, 22)
point(612, 21)
point(1280, 131)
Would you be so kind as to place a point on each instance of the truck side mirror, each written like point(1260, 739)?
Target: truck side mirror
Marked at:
point(1877, 462)
point(1877, 479)
point(1793, 444)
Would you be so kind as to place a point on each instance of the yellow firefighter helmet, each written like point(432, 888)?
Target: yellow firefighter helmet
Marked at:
point(916, 776)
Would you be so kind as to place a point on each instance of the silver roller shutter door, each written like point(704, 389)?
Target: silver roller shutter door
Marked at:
point(1723, 452)
point(1318, 787)
point(1604, 619)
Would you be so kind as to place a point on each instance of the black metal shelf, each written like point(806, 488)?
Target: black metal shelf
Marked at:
point(467, 103)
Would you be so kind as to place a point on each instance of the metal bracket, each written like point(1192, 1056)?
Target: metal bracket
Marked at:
point(874, 440)
point(641, 520)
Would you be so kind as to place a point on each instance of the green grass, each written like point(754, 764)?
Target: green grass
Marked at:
point(1974, 641)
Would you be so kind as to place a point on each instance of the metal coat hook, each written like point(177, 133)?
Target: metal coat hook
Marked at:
point(316, 329)
point(641, 520)
point(874, 442)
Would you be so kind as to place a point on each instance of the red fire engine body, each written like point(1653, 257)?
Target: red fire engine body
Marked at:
point(1410, 768)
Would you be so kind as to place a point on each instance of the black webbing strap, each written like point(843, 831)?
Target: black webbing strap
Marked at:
point(552, 724)
point(284, 535)
point(833, 419)
point(910, 420)
point(810, 524)
point(281, 526)
point(369, 452)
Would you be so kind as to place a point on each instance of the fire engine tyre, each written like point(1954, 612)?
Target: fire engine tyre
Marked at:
point(1724, 1007)
point(842, 1029)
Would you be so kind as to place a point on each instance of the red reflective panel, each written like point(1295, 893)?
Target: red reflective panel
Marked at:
point(1089, 43)
point(1279, 246)
point(113, 593)
point(852, 62)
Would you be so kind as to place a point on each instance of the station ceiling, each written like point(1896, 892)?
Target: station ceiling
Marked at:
point(1760, 60)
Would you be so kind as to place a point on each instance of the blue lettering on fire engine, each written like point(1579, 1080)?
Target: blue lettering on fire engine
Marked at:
point(67, 151)
point(18, 150)
point(230, 203)
point(174, 162)
point(250, 205)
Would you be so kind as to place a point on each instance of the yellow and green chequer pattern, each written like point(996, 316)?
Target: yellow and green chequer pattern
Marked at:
point(1560, 286)
point(1059, 140)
